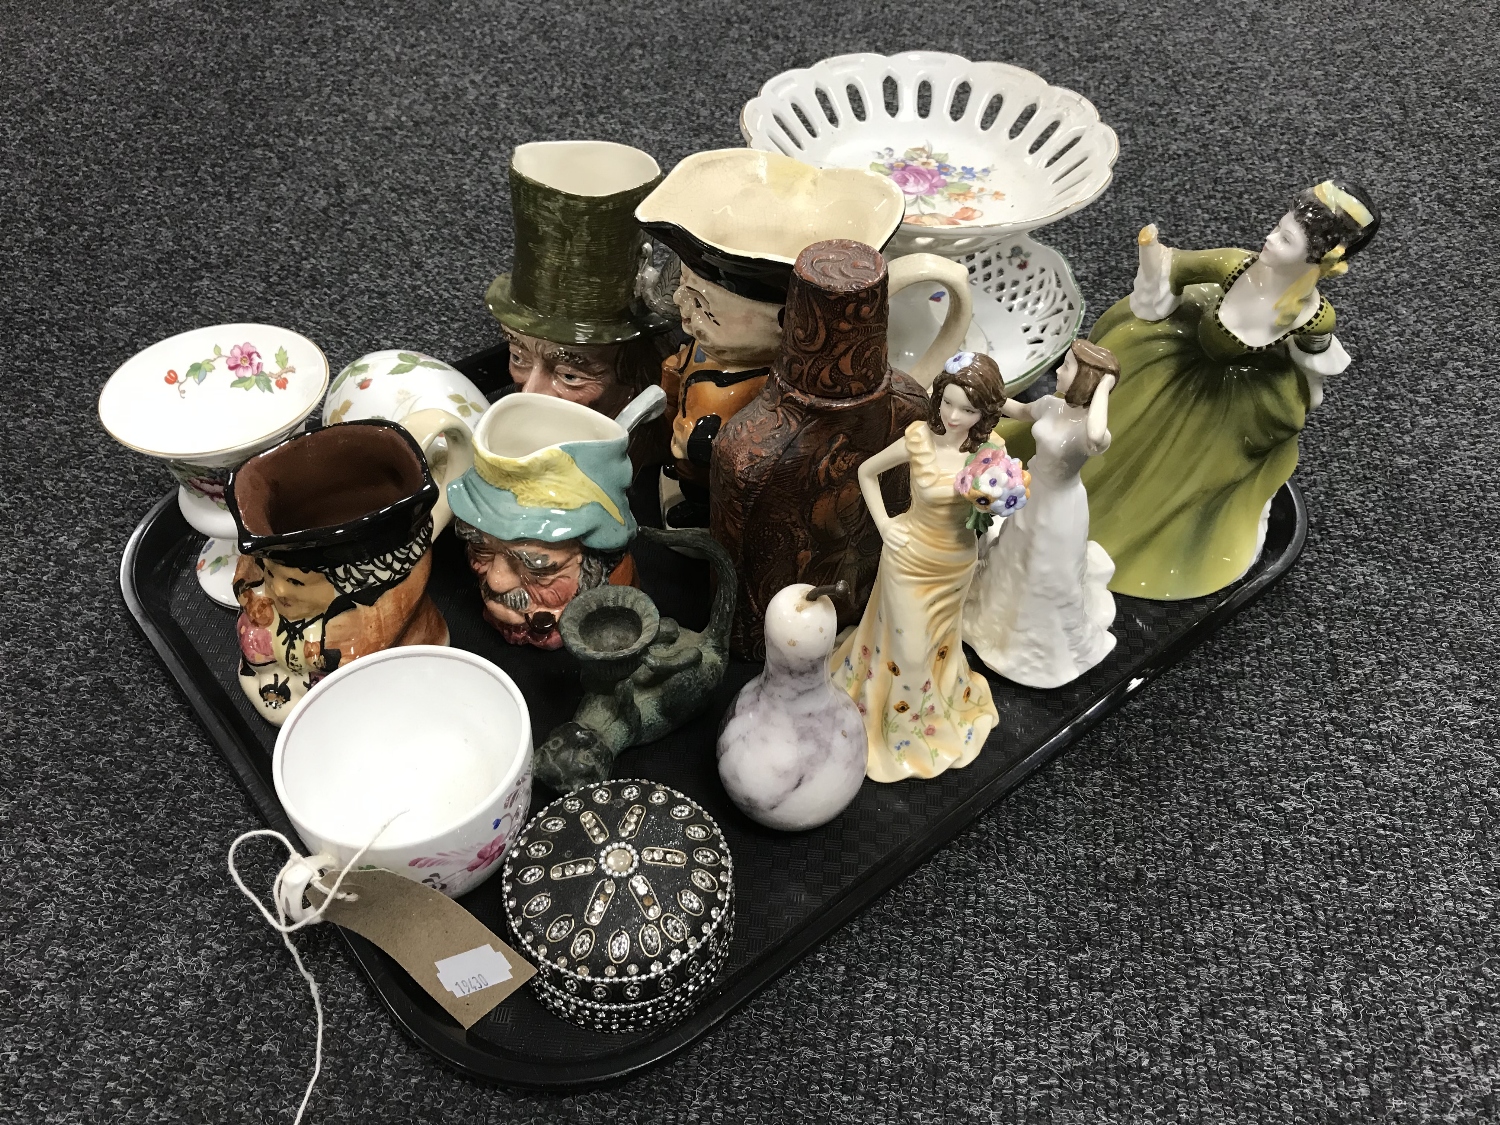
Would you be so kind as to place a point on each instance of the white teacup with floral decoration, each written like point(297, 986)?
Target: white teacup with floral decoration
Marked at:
point(432, 743)
point(434, 401)
point(205, 401)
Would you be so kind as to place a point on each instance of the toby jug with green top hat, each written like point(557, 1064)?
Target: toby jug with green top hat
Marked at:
point(574, 307)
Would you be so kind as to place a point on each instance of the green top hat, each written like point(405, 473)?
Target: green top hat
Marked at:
point(578, 247)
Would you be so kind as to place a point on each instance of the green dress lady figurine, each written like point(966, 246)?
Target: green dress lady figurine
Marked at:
point(1222, 354)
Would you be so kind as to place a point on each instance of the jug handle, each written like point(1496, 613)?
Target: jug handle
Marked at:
point(952, 276)
point(449, 462)
point(650, 403)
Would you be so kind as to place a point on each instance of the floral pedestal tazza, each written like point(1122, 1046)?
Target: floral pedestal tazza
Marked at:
point(205, 401)
point(981, 150)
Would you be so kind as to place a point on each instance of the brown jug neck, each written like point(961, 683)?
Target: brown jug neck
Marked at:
point(833, 343)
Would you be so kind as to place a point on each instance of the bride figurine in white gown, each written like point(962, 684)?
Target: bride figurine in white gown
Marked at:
point(1039, 608)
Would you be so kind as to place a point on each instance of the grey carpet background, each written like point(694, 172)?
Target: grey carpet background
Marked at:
point(1265, 891)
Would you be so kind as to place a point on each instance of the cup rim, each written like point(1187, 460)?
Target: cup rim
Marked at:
point(518, 766)
point(248, 446)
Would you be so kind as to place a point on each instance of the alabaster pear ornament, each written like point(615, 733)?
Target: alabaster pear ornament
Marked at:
point(792, 747)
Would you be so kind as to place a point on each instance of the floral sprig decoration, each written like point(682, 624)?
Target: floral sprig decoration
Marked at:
point(995, 483)
point(244, 363)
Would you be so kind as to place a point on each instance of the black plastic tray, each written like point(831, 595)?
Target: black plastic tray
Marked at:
point(792, 890)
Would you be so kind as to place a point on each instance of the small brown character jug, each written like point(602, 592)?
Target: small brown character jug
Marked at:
point(335, 528)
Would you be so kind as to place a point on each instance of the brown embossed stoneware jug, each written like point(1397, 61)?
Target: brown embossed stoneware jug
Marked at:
point(335, 528)
point(786, 501)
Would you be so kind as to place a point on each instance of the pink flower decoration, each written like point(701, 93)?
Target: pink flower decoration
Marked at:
point(243, 359)
point(488, 854)
point(980, 468)
point(916, 180)
point(998, 482)
point(930, 731)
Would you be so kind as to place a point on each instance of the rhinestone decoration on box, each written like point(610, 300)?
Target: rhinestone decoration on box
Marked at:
point(622, 895)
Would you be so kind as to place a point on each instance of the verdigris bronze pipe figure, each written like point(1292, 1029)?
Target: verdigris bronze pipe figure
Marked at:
point(643, 674)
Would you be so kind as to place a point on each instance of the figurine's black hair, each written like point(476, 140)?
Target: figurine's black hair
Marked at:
point(1325, 230)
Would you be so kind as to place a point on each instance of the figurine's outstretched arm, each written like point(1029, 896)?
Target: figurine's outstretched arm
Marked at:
point(1318, 365)
point(1098, 423)
point(1011, 408)
point(1152, 298)
point(869, 487)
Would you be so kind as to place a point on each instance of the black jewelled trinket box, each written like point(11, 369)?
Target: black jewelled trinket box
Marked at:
point(622, 895)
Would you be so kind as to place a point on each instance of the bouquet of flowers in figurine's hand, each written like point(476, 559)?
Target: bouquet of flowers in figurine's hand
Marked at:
point(995, 483)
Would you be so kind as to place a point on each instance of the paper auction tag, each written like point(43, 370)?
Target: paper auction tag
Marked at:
point(448, 951)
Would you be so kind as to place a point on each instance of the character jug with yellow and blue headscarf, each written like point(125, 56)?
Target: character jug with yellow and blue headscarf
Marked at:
point(544, 512)
point(1222, 354)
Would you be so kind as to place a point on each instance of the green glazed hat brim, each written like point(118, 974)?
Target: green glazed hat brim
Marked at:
point(528, 321)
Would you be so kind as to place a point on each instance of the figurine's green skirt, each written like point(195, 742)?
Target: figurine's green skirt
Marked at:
point(1200, 444)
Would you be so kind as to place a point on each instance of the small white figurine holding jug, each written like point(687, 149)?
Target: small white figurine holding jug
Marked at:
point(1039, 609)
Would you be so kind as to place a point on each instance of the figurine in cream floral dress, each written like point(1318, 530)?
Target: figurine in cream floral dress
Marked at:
point(924, 710)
